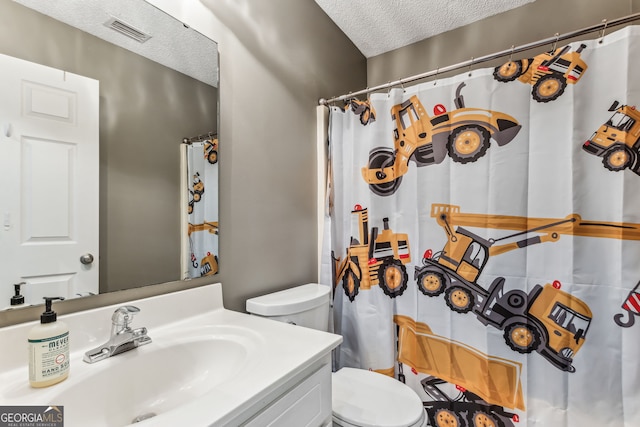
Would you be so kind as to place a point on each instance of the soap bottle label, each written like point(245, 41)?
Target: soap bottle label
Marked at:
point(49, 357)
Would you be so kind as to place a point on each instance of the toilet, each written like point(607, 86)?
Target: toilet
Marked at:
point(360, 398)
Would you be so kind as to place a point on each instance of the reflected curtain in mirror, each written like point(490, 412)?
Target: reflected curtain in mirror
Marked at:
point(200, 253)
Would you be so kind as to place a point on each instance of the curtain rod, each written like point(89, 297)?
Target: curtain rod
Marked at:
point(199, 138)
point(473, 61)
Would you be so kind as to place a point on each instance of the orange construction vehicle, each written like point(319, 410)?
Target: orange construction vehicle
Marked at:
point(618, 140)
point(549, 72)
point(484, 384)
point(373, 259)
point(547, 320)
point(463, 133)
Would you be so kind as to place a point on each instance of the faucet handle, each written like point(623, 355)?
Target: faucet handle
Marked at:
point(123, 316)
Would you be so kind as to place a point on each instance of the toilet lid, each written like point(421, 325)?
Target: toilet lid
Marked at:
point(369, 399)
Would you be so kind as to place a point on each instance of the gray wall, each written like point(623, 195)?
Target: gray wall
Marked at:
point(277, 58)
point(532, 22)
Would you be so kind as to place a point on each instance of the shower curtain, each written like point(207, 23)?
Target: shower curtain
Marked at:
point(202, 208)
point(485, 238)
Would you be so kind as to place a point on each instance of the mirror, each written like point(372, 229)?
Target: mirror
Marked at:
point(152, 95)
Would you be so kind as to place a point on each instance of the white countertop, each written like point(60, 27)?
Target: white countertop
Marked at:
point(282, 352)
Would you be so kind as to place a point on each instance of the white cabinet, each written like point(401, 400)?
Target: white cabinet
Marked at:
point(306, 404)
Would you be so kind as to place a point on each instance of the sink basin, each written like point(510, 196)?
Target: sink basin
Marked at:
point(150, 380)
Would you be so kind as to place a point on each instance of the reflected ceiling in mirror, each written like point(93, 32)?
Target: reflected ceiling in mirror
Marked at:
point(146, 108)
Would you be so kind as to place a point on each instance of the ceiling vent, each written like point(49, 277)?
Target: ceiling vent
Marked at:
point(127, 30)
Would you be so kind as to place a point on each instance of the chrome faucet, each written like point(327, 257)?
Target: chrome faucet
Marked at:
point(122, 338)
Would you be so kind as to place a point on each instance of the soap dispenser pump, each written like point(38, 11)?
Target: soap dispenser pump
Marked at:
point(18, 299)
point(48, 349)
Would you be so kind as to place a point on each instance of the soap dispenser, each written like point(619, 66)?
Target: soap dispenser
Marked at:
point(48, 349)
point(17, 300)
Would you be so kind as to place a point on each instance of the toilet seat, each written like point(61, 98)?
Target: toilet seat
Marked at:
point(364, 398)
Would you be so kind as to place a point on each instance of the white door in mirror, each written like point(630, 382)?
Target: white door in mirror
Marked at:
point(49, 170)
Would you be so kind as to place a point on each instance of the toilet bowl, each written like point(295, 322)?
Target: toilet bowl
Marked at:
point(360, 398)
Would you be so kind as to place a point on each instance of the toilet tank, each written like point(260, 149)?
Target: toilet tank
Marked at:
point(305, 305)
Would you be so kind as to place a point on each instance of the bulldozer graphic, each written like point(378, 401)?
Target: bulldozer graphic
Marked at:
point(484, 385)
point(464, 134)
point(373, 259)
point(549, 72)
point(546, 320)
point(617, 141)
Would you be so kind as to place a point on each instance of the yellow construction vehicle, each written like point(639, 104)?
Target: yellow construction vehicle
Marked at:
point(211, 226)
point(363, 109)
point(549, 72)
point(485, 384)
point(618, 140)
point(547, 320)
point(463, 133)
point(211, 150)
point(373, 259)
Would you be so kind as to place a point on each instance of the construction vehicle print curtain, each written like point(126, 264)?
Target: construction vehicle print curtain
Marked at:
point(485, 238)
point(202, 182)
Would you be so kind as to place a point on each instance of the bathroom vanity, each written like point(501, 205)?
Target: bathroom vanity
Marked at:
point(205, 366)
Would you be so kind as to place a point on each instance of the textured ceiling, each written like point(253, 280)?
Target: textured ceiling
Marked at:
point(172, 44)
point(378, 26)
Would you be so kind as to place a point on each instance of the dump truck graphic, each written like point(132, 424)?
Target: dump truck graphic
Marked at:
point(617, 141)
point(487, 384)
point(373, 259)
point(549, 72)
point(464, 133)
point(546, 320)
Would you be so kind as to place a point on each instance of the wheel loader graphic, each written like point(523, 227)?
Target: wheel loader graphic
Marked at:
point(463, 133)
point(549, 72)
point(484, 385)
point(373, 259)
point(546, 320)
point(617, 141)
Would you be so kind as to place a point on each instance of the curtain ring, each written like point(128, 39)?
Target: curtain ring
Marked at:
point(402, 86)
point(604, 21)
point(435, 80)
point(470, 65)
point(555, 43)
point(388, 88)
point(511, 54)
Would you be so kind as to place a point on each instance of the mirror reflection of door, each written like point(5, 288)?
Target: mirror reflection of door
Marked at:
point(49, 169)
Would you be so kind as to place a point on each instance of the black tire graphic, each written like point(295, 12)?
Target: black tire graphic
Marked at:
point(459, 299)
point(431, 283)
point(380, 159)
point(508, 72)
point(522, 337)
point(549, 88)
point(468, 143)
point(393, 278)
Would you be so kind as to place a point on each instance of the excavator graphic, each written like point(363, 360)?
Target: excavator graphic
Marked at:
point(617, 141)
point(373, 259)
point(463, 133)
point(483, 386)
point(547, 319)
point(549, 72)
